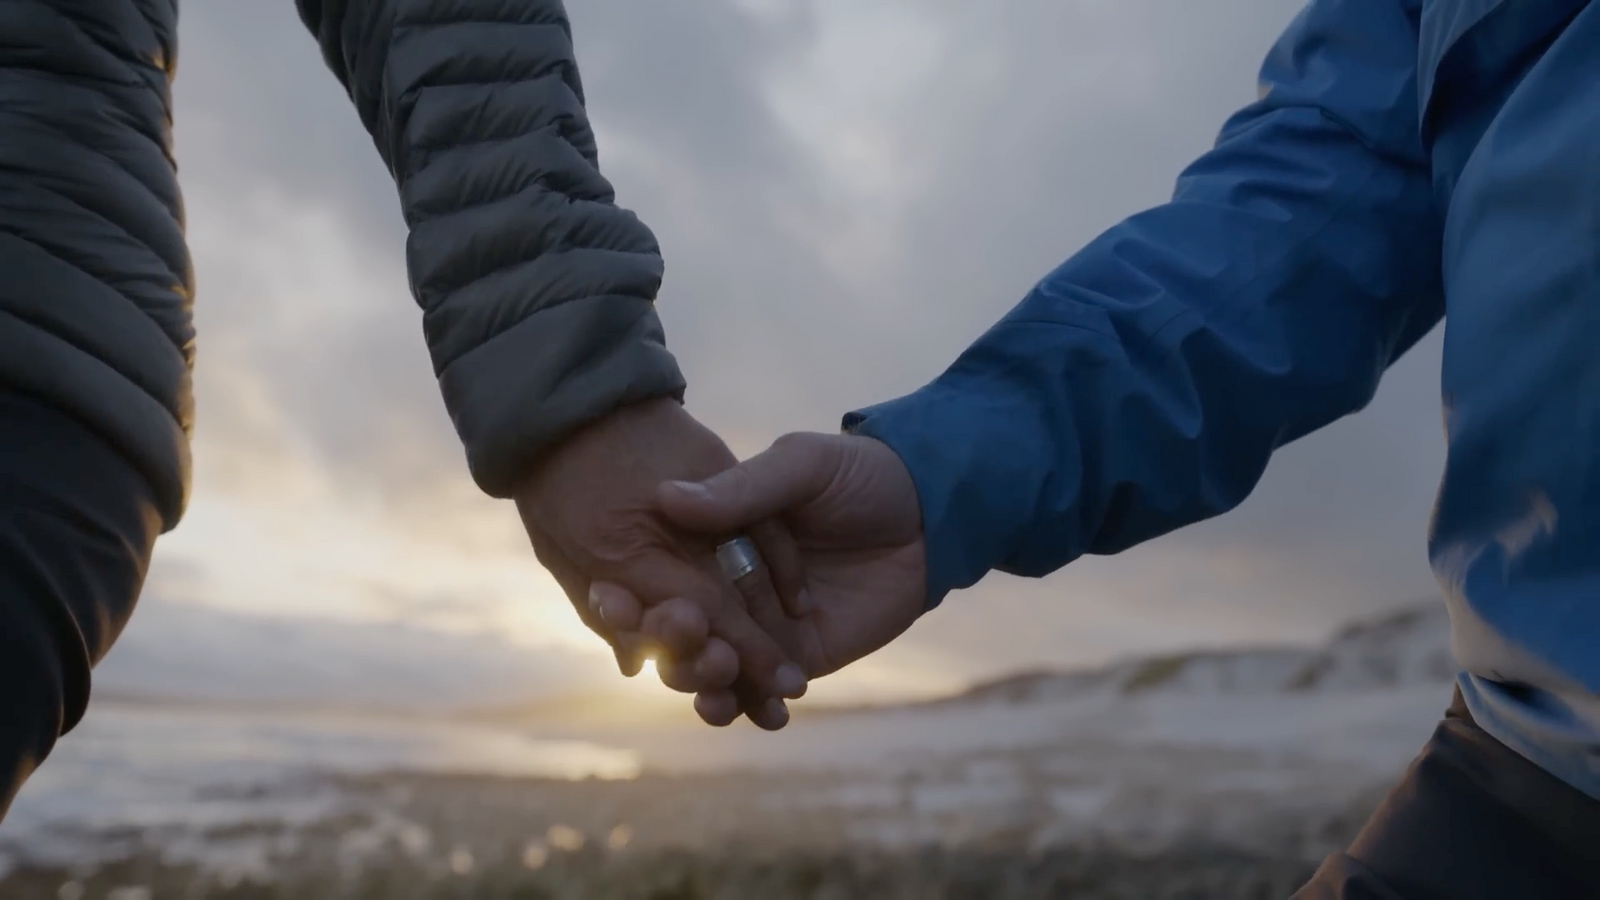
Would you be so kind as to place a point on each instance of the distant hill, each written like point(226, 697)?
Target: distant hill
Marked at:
point(182, 654)
point(1408, 647)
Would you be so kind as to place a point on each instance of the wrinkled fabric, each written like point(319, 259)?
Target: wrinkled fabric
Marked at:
point(537, 291)
point(95, 281)
point(77, 523)
point(1407, 158)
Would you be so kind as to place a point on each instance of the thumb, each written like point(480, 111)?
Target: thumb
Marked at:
point(796, 469)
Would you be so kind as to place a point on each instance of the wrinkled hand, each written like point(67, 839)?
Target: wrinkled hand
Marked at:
point(589, 507)
point(853, 511)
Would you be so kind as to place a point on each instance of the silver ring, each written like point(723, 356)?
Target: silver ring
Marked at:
point(738, 558)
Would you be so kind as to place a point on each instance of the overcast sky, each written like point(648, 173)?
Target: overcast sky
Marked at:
point(847, 192)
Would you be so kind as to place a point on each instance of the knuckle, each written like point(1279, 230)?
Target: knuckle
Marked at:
point(795, 442)
point(627, 538)
point(736, 483)
point(681, 612)
point(664, 632)
point(809, 453)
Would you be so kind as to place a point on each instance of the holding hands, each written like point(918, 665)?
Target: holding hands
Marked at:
point(589, 507)
point(836, 519)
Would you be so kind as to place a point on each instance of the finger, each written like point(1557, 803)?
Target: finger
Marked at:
point(615, 606)
point(573, 583)
point(605, 604)
point(770, 716)
point(784, 566)
point(761, 661)
point(678, 626)
point(755, 694)
point(764, 609)
point(631, 650)
point(713, 670)
point(616, 616)
point(718, 709)
point(795, 469)
point(764, 668)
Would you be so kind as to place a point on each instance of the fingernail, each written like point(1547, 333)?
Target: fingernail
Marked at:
point(692, 489)
point(802, 603)
point(597, 606)
point(790, 681)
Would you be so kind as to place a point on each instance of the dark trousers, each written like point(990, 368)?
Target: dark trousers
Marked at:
point(77, 523)
point(1471, 820)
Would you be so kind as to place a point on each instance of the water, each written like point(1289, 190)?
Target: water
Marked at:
point(139, 770)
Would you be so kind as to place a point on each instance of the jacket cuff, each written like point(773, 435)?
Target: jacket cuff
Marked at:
point(525, 390)
point(974, 460)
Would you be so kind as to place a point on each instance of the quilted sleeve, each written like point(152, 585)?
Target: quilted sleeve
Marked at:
point(537, 290)
point(95, 281)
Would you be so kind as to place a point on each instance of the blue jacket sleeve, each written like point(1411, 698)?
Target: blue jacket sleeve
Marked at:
point(1143, 385)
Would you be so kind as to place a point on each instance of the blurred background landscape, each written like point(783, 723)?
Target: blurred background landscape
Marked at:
point(1208, 774)
point(349, 677)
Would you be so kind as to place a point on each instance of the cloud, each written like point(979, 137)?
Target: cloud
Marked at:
point(847, 193)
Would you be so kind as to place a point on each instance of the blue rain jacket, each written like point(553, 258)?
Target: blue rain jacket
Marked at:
point(1406, 159)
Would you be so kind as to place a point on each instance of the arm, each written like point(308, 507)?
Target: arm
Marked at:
point(1144, 384)
point(77, 523)
point(536, 289)
point(537, 295)
point(95, 347)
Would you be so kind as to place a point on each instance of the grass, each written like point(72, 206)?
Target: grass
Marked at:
point(593, 874)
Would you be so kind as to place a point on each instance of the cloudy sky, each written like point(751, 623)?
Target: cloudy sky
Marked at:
point(847, 192)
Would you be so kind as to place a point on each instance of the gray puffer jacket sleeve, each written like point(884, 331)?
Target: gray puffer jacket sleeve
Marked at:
point(95, 280)
point(537, 291)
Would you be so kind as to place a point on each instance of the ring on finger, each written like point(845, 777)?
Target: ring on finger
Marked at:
point(738, 557)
